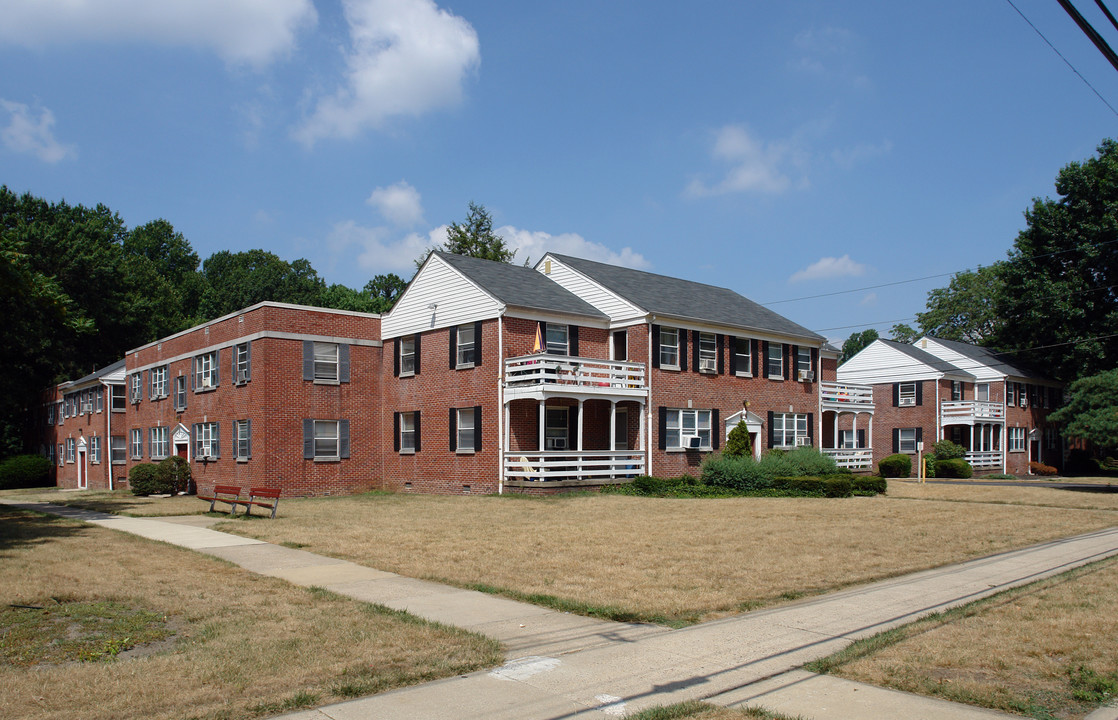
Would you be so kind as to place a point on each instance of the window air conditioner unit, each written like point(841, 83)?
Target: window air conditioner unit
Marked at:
point(802, 441)
point(694, 442)
point(807, 376)
point(556, 443)
point(907, 401)
point(207, 382)
point(707, 365)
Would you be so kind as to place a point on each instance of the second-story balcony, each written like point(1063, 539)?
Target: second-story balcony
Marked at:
point(846, 397)
point(536, 376)
point(969, 412)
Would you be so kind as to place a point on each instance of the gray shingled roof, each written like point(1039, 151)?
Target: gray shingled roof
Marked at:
point(520, 286)
point(925, 357)
point(1000, 362)
point(107, 370)
point(685, 299)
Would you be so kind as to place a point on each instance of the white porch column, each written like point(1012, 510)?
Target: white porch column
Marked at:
point(612, 424)
point(580, 434)
point(835, 440)
point(543, 421)
point(507, 433)
point(869, 433)
point(972, 448)
point(854, 429)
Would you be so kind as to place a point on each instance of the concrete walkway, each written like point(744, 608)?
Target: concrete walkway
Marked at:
point(568, 666)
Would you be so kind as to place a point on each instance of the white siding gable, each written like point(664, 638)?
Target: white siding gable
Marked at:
point(618, 309)
point(880, 363)
point(457, 299)
point(981, 371)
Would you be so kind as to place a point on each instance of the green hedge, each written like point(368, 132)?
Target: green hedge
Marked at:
point(748, 475)
point(897, 466)
point(864, 485)
point(142, 479)
point(172, 475)
point(25, 471)
point(836, 485)
point(956, 468)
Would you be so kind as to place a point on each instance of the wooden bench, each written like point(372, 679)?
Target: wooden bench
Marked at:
point(271, 494)
point(227, 494)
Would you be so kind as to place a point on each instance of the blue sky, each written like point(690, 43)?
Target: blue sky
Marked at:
point(780, 149)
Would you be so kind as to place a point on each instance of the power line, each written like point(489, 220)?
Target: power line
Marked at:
point(1090, 32)
point(1066, 62)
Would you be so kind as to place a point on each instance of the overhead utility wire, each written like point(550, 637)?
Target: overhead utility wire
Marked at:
point(1090, 32)
point(1066, 62)
point(1106, 12)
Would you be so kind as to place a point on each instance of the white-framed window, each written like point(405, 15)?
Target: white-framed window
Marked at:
point(50, 413)
point(86, 398)
point(137, 386)
point(556, 433)
point(906, 394)
point(137, 444)
point(669, 347)
point(205, 371)
point(464, 345)
point(775, 361)
point(180, 393)
point(790, 430)
point(158, 382)
point(956, 390)
point(743, 356)
point(242, 363)
point(466, 427)
point(557, 337)
point(982, 392)
point(206, 441)
point(70, 450)
point(1016, 439)
point(407, 356)
point(118, 401)
point(61, 454)
point(1010, 395)
point(407, 432)
point(242, 430)
point(118, 449)
point(906, 440)
point(49, 451)
point(687, 429)
point(59, 411)
point(708, 352)
point(848, 439)
point(160, 443)
point(803, 360)
point(95, 449)
point(326, 437)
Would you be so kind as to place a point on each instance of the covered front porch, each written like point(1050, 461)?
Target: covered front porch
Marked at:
point(573, 422)
point(983, 441)
point(847, 417)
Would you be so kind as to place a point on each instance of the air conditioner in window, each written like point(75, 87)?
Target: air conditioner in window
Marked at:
point(802, 440)
point(807, 376)
point(707, 365)
point(906, 401)
point(693, 442)
point(207, 381)
point(556, 443)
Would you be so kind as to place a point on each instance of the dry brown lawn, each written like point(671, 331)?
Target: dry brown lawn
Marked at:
point(1037, 494)
point(1045, 651)
point(662, 559)
point(244, 645)
point(119, 502)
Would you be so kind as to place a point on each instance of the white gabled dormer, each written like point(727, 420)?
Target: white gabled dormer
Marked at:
point(885, 361)
point(439, 296)
point(619, 310)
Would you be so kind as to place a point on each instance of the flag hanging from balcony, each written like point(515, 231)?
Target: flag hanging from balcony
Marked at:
point(538, 344)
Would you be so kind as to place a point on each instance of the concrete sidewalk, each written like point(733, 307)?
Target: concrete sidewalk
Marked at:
point(570, 666)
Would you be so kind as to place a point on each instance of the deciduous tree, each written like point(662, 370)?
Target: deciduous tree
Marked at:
point(856, 342)
point(1090, 410)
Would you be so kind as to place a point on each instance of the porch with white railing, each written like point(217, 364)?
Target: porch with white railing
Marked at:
point(960, 412)
point(533, 376)
point(851, 458)
point(846, 397)
point(571, 468)
point(984, 459)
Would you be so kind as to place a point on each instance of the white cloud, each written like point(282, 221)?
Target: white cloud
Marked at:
point(869, 299)
point(534, 243)
point(756, 166)
point(239, 31)
point(829, 267)
point(26, 133)
point(377, 250)
point(849, 157)
point(399, 204)
point(406, 57)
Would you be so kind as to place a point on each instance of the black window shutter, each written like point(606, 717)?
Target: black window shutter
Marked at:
point(477, 343)
point(733, 341)
point(572, 427)
point(811, 429)
point(193, 439)
point(815, 364)
point(682, 348)
point(794, 362)
point(715, 429)
point(695, 351)
point(308, 360)
point(417, 433)
point(719, 341)
point(755, 357)
point(418, 354)
point(193, 369)
point(217, 440)
point(919, 392)
point(453, 429)
point(896, 396)
point(233, 370)
point(789, 363)
point(656, 346)
point(248, 356)
point(343, 363)
point(147, 381)
point(572, 340)
point(249, 423)
point(662, 435)
point(861, 441)
point(308, 439)
point(896, 440)
point(396, 431)
point(236, 448)
point(919, 435)
point(396, 357)
point(453, 342)
point(217, 367)
point(477, 427)
point(764, 360)
point(343, 439)
point(772, 435)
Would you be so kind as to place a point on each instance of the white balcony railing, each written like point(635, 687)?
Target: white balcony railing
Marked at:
point(851, 458)
point(984, 459)
point(559, 372)
point(588, 466)
point(846, 396)
point(971, 411)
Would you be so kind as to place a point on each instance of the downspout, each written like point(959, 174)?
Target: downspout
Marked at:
point(1005, 432)
point(818, 370)
point(938, 429)
point(648, 403)
point(107, 408)
point(500, 404)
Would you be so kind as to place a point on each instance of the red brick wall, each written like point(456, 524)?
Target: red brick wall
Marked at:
point(87, 426)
